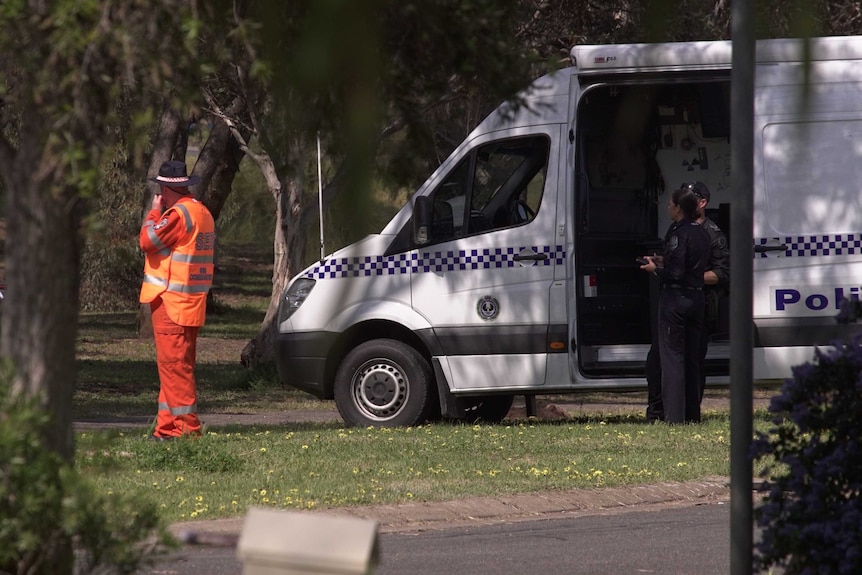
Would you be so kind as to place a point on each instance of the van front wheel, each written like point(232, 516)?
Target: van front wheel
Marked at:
point(384, 383)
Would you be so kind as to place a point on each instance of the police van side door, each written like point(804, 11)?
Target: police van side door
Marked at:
point(483, 280)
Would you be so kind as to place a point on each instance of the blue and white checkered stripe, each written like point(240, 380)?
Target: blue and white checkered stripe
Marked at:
point(433, 261)
point(819, 245)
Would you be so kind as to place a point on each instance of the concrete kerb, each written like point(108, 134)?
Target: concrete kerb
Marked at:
point(432, 516)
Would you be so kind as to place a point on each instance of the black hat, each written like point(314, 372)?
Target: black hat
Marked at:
point(699, 189)
point(173, 175)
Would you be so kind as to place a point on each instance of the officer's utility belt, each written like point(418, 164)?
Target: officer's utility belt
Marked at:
point(678, 286)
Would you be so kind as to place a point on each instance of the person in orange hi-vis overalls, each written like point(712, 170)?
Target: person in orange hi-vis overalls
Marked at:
point(178, 238)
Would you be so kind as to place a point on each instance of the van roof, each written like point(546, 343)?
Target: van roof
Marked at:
point(707, 55)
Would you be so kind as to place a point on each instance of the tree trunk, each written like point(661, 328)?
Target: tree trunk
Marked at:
point(218, 162)
point(167, 136)
point(164, 143)
point(288, 245)
point(39, 324)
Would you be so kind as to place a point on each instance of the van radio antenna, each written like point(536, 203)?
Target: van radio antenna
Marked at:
point(320, 198)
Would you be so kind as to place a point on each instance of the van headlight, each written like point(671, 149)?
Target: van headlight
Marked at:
point(294, 297)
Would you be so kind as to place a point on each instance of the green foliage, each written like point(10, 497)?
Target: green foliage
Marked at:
point(111, 263)
point(45, 503)
point(811, 513)
point(248, 215)
point(82, 58)
point(30, 484)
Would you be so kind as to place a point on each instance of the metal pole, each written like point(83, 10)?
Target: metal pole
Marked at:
point(320, 197)
point(741, 268)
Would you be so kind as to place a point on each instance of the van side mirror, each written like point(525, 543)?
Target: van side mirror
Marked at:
point(422, 215)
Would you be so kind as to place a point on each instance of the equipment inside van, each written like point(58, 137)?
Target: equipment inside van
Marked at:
point(512, 270)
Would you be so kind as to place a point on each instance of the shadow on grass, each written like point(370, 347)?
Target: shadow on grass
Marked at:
point(630, 418)
point(232, 322)
point(118, 388)
point(292, 427)
point(108, 325)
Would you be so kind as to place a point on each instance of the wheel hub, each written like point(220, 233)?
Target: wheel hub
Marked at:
point(380, 390)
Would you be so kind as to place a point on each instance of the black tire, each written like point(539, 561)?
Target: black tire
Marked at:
point(487, 408)
point(384, 383)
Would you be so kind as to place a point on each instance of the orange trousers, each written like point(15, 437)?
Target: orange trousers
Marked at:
point(176, 349)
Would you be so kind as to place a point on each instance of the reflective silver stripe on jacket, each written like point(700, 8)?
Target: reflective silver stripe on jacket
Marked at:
point(192, 259)
point(188, 217)
point(150, 279)
point(175, 287)
point(154, 239)
point(183, 410)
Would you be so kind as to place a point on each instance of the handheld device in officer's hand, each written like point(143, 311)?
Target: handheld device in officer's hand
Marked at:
point(642, 260)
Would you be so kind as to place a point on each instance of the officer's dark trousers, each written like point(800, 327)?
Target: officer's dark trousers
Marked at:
point(655, 409)
point(680, 326)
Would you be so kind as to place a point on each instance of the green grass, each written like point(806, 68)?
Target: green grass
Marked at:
point(314, 466)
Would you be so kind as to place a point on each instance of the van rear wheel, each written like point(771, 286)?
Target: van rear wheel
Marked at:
point(384, 383)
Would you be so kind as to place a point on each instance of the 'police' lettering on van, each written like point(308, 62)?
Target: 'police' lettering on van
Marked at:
point(811, 300)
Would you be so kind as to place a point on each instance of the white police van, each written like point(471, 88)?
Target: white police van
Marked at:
point(512, 270)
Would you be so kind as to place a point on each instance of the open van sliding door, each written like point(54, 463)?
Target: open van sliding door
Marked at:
point(635, 143)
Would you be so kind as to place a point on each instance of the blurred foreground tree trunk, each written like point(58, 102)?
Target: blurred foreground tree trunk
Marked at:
point(66, 67)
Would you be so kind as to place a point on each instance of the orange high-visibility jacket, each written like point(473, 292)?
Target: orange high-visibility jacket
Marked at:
point(179, 246)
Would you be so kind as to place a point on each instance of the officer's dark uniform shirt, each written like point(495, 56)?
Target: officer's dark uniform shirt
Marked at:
point(686, 251)
point(719, 258)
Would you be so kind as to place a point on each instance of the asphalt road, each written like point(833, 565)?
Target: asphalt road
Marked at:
point(681, 539)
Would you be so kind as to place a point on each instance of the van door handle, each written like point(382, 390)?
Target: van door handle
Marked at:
point(530, 257)
point(779, 248)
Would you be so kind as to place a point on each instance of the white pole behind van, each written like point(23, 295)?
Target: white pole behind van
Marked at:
point(320, 198)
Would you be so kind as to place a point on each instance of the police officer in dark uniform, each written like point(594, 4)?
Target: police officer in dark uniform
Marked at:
point(681, 307)
point(716, 280)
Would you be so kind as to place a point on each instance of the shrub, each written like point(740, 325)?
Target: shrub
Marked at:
point(811, 513)
point(111, 262)
point(48, 511)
